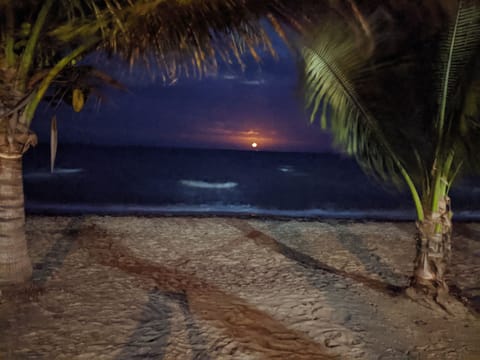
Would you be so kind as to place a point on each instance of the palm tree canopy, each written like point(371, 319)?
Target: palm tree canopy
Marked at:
point(182, 35)
point(165, 29)
point(41, 40)
point(407, 104)
point(41, 31)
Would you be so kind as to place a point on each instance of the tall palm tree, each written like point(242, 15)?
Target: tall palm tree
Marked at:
point(42, 41)
point(409, 111)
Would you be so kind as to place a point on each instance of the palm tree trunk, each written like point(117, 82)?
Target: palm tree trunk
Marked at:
point(15, 265)
point(434, 247)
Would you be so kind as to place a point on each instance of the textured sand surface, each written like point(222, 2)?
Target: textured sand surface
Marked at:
point(225, 288)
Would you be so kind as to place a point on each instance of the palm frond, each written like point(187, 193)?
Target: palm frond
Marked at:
point(184, 37)
point(188, 37)
point(78, 83)
point(334, 70)
point(457, 47)
point(467, 129)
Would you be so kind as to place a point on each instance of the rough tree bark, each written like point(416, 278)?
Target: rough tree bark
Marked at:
point(434, 248)
point(15, 264)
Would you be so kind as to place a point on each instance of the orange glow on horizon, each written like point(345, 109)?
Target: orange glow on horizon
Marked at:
point(251, 139)
point(261, 139)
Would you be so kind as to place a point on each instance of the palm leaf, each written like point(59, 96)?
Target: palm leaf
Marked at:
point(183, 37)
point(457, 48)
point(467, 131)
point(77, 83)
point(334, 70)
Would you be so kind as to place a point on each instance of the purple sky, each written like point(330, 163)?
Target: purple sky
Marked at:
point(228, 110)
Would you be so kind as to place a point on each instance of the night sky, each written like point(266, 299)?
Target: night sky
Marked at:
point(228, 110)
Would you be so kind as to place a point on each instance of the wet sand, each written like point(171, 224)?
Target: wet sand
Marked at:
point(229, 288)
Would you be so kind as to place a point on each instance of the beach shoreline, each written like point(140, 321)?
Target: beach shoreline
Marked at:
point(261, 215)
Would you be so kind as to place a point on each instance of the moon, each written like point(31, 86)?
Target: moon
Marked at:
point(254, 145)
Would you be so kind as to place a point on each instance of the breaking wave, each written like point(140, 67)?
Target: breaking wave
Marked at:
point(208, 185)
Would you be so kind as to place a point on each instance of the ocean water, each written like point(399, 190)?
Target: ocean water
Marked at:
point(158, 181)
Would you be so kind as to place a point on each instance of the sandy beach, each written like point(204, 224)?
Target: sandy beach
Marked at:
point(230, 288)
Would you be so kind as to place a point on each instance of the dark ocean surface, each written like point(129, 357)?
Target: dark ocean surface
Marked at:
point(158, 181)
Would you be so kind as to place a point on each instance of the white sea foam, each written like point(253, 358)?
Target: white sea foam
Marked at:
point(208, 185)
point(286, 168)
point(253, 82)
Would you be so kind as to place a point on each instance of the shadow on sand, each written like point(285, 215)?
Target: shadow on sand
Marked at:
point(372, 262)
point(266, 241)
point(255, 330)
point(152, 335)
point(56, 255)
